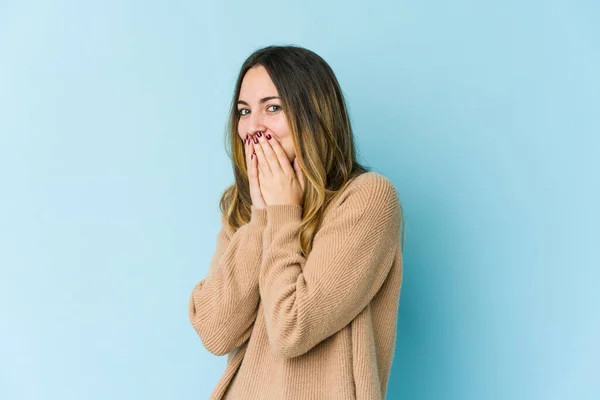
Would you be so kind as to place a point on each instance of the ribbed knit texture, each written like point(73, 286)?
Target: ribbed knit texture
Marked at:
point(315, 328)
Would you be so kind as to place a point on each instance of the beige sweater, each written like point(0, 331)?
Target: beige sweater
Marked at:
point(316, 328)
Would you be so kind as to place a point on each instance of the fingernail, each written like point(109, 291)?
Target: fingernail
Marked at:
point(256, 140)
point(268, 136)
point(252, 156)
point(259, 134)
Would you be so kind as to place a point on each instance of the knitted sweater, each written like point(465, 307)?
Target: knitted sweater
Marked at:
point(315, 328)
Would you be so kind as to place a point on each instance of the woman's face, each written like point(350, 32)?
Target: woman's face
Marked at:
point(261, 110)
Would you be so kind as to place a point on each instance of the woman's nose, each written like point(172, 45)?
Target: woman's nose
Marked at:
point(256, 123)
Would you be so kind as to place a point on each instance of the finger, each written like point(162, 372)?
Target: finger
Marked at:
point(250, 163)
point(276, 155)
point(253, 163)
point(270, 155)
point(255, 166)
point(247, 153)
point(263, 164)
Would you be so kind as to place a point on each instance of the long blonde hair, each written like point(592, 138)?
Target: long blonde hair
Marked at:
point(320, 127)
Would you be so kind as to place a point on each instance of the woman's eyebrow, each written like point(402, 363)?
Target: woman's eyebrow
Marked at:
point(261, 100)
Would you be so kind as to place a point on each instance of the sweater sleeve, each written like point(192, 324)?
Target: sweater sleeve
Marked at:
point(223, 306)
point(307, 300)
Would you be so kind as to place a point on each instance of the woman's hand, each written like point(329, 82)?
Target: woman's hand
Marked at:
point(280, 182)
point(251, 164)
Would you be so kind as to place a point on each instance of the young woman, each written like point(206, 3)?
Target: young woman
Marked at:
point(303, 289)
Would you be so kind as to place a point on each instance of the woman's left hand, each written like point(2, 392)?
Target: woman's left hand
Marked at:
point(280, 183)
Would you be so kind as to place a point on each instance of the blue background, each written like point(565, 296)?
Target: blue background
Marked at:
point(483, 114)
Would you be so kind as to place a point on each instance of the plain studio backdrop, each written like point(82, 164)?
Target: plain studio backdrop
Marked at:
point(483, 114)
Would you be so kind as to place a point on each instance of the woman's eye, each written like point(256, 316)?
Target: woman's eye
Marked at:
point(242, 110)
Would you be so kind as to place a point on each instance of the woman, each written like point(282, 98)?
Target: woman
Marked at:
point(303, 289)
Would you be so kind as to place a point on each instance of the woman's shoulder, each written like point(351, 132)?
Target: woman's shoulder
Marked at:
point(372, 184)
point(369, 198)
point(368, 190)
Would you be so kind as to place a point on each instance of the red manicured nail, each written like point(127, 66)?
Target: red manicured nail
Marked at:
point(268, 136)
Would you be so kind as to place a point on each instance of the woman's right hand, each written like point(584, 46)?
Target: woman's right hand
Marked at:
point(252, 168)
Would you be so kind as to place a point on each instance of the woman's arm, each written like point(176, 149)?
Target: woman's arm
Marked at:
point(306, 300)
point(223, 306)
